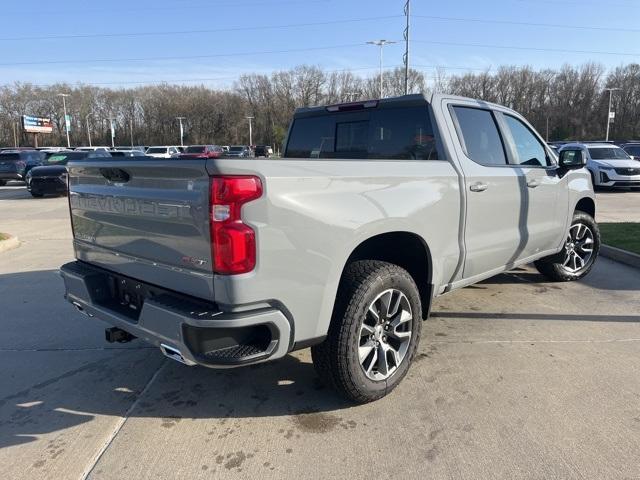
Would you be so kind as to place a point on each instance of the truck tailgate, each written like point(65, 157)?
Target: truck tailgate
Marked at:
point(144, 218)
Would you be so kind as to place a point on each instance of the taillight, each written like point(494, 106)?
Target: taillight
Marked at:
point(233, 243)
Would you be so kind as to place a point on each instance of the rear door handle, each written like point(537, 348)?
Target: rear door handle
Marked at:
point(478, 187)
point(533, 183)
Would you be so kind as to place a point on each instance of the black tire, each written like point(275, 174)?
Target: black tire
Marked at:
point(553, 267)
point(37, 195)
point(337, 360)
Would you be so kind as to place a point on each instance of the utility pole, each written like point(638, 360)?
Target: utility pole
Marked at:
point(66, 120)
point(88, 130)
point(250, 130)
point(405, 58)
point(15, 135)
point(611, 90)
point(131, 132)
point(181, 130)
point(381, 44)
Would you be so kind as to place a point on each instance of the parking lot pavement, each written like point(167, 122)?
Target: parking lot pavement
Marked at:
point(515, 378)
point(618, 206)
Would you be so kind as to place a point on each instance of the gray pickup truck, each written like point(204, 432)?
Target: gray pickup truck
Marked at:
point(376, 208)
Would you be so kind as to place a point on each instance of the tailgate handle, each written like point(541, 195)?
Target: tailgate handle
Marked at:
point(115, 175)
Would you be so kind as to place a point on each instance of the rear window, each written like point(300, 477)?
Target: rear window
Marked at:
point(480, 136)
point(607, 153)
point(157, 150)
point(385, 133)
point(194, 150)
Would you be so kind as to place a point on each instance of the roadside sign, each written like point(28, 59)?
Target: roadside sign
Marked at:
point(67, 122)
point(612, 115)
point(37, 124)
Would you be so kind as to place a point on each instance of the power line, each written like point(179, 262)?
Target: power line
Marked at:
point(182, 57)
point(189, 32)
point(234, 77)
point(537, 49)
point(146, 9)
point(528, 24)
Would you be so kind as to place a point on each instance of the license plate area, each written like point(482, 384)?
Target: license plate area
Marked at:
point(126, 296)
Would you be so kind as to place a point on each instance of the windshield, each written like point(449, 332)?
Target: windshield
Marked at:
point(605, 153)
point(157, 150)
point(635, 150)
point(195, 149)
point(236, 149)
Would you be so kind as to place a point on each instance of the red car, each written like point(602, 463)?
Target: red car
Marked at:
point(202, 151)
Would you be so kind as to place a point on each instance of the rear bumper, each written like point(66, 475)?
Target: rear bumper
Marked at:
point(11, 176)
point(202, 333)
point(45, 186)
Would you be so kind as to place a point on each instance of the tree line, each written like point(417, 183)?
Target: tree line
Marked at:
point(568, 103)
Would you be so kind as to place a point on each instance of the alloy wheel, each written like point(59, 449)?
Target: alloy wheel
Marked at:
point(385, 335)
point(578, 248)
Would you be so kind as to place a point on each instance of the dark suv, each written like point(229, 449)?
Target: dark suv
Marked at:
point(15, 164)
point(51, 177)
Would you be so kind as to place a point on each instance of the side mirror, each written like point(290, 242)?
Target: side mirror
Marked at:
point(572, 159)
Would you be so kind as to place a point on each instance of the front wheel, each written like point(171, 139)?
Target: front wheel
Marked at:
point(374, 331)
point(578, 254)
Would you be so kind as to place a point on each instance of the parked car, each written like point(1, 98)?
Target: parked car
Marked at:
point(51, 177)
point(632, 149)
point(263, 151)
point(92, 149)
point(609, 165)
point(239, 151)
point(202, 151)
point(376, 208)
point(128, 147)
point(127, 153)
point(166, 151)
point(15, 164)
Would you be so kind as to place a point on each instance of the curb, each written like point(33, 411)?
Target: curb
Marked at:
point(619, 255)
point(9, 244)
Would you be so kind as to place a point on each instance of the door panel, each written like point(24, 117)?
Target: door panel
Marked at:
point(495, 222)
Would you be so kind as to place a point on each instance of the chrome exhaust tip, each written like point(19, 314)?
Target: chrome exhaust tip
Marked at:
point(174, 354)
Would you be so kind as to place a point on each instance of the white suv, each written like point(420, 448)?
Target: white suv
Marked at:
point(609, 165)
point(166, 151)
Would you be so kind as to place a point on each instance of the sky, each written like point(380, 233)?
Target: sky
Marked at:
point(120, 43)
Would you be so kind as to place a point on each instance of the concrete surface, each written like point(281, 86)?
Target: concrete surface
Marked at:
point(618, 205)
point(515, 378)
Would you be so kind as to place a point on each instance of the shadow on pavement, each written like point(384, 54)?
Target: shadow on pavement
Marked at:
point(109, 383)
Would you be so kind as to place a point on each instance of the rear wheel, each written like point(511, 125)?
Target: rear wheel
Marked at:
point(579, 253)
point(374, 331)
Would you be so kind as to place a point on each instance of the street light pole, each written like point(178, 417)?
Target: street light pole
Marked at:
point(88, 130)
point(381, 44)
point(113, 133)
point(611, 90)
point(250, 118)
point(181, 130)
point(64, 107)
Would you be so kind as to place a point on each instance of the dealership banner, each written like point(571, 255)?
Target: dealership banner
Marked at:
point(36, 124)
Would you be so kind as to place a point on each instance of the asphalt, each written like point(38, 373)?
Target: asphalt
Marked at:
point(515, 378)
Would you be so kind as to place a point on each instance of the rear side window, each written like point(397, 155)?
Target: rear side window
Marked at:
point(480, 136)
point(385, 133)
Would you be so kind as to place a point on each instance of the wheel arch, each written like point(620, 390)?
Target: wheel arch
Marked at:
point(405, 249)
point(587, 205)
